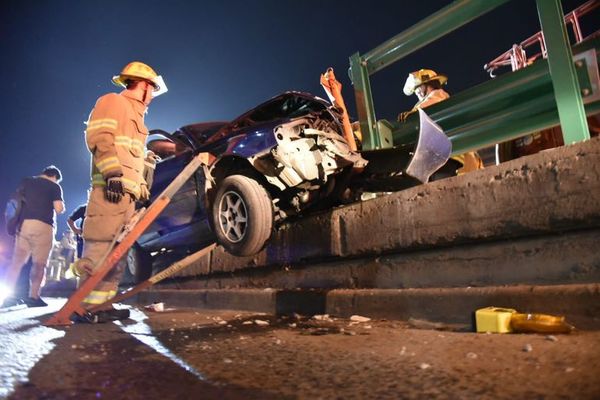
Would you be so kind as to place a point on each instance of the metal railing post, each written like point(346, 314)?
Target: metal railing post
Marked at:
point(364, 103)
point(562, 71)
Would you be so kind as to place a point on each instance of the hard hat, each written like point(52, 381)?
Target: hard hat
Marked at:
point(138, 70)
point(420, 77)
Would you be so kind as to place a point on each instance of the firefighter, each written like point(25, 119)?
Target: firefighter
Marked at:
point(116, 137)
point(427, 85)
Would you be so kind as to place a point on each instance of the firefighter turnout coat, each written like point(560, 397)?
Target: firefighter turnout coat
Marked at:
point(116, 137)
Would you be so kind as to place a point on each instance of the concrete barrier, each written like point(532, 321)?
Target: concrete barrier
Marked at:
point(532, 220)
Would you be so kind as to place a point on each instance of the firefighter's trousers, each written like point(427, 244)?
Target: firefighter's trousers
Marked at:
point(102, 223)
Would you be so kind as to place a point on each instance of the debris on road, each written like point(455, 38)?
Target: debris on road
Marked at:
point(359, 318)
point(156, 307)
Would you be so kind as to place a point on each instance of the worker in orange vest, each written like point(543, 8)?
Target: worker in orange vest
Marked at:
point(116, 137)
point(427, 84)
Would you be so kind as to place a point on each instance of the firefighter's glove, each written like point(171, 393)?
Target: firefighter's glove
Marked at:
point(144, 193)
point(404, 115)
point(114, 190)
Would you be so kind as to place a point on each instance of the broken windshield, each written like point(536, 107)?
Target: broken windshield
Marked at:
point(286, 107)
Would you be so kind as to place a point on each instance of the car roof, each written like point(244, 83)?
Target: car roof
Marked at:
point(200, 127)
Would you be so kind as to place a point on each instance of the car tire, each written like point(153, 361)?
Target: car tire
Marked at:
point(138, 267)
point(242, 215)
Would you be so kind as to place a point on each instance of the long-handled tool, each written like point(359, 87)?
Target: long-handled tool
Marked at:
point(178, 266)
point(73, 305)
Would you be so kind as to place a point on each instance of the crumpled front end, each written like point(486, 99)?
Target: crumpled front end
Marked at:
point(305, 156)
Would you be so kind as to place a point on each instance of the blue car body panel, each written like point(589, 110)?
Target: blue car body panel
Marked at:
point(258, 141)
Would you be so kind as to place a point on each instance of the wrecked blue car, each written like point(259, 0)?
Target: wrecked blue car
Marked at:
point(283, 158)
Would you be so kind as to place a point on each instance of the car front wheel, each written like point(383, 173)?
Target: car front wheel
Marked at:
point(242, 215)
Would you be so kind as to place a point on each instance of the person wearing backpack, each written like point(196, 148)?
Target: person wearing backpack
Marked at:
point(41, 198)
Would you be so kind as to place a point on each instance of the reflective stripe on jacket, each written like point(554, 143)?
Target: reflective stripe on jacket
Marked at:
point(116, 137)
point(99, 296)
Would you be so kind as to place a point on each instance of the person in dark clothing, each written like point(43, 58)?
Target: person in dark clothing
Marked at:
point(34, 238)
point(77, 215)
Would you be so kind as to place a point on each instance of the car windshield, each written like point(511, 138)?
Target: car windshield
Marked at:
point(199, 133)
point(286, 107)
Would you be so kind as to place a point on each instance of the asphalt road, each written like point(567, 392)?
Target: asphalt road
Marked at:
point(187, 353)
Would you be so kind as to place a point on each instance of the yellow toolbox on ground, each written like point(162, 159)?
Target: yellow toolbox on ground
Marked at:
point(494, 319)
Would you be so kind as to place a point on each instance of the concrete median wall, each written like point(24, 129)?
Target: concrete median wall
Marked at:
point(535, 220)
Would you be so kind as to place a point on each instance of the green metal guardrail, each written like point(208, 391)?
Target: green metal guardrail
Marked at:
point(504, 108)
point(513, 105)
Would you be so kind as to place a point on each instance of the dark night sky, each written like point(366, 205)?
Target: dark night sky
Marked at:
point(219, 59)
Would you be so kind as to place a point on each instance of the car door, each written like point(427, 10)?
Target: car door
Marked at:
point(168, 229)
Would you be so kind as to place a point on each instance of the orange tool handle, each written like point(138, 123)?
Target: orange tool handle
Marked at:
point(73, 305)
point(178, 266)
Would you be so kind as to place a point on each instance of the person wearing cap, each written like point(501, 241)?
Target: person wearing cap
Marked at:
point(115, 136)
point(427, 85)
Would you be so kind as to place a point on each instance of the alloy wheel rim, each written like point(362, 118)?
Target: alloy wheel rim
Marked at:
point(233, 216)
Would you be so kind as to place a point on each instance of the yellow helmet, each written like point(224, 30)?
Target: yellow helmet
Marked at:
point(420, 77)
point(135, 71)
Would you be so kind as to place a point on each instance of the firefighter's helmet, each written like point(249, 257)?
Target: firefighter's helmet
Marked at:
point(137, 71)
point(420, 77)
